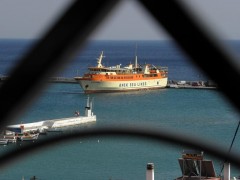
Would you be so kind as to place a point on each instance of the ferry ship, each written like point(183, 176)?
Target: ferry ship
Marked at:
point(119, 79)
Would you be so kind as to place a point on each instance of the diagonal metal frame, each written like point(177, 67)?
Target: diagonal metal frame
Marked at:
point(72, 31)
point(199, 44)
point(50, 54)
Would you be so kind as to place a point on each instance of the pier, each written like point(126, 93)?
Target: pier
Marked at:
point(30, 131)
point(171, 83)
point(61, 80)
point(192, 84)
point(50, 80)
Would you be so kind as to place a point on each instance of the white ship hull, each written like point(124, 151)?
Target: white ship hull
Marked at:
point(118, 86)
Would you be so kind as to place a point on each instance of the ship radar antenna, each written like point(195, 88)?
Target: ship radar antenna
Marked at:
point(99, 62)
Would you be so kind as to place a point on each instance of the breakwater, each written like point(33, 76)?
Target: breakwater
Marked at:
point(50, 80)
point(171, 83)
point(192, 84)
point(61, 80)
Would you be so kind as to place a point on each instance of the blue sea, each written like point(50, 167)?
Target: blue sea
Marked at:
point(202, 113)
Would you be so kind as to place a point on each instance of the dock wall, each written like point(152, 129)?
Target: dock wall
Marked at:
point(53, 123)
point(170, 84)
point(192, 84)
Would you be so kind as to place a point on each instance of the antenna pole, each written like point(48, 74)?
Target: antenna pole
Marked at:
point(136, 56)
point(235, 134)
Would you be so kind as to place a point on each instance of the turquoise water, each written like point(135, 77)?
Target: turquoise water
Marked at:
point(202, 113)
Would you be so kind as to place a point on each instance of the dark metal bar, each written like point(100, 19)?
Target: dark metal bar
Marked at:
point(52, 52)
point(199, 44)
point(230, 148)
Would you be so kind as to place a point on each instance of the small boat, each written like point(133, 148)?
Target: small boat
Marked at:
point(132, 77)
point(7, 137)
point(3, 141)
point(29, 137)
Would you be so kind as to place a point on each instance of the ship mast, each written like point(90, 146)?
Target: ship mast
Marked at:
point(136, 57)
point(99, 62)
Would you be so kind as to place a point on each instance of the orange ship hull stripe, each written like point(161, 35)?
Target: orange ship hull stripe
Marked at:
point(119, 77)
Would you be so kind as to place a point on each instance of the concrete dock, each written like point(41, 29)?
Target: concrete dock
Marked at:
point(171, 83)
point(61, 80)
point(192, 84)
point(50, 80)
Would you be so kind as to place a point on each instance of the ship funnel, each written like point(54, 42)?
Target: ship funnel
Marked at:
point(146, 69)
point(150, 171)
